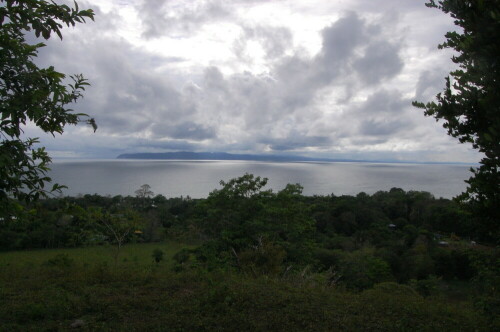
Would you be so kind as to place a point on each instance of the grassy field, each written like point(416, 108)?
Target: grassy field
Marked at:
point(39, 292)
point(137, 254)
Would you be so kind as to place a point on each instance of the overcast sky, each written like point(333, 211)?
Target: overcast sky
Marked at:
point(326, 78)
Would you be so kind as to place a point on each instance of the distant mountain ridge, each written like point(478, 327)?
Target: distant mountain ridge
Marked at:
point(185, 155)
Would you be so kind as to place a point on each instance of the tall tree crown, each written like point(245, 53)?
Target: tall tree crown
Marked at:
point(29, 94)
point(469, 106)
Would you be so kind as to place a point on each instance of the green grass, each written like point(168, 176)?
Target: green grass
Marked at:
point(137, 254)
point(140, 295)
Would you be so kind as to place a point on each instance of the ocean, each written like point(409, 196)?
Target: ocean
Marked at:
point(175, 178)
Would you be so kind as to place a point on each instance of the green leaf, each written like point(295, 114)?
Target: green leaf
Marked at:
point(31, 94)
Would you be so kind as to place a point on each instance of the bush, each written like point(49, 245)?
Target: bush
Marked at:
point(361, 270)
point(452, 264)
point(158, 255)
point(326, 258)
point(182, 256)
point(426, 287)
point(262, 259)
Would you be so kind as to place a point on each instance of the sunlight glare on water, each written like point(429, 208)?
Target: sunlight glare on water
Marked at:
point(198, 178)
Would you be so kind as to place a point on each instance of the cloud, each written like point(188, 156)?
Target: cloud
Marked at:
point(385, 103)
point(275, 41)
point(382, 127)
point(127, 96)
point(279, 106)
point(179, 17)
point(344, 56)
point(184, 130)
point(341, 39)
point(381, 61)
point(162, 145)
point(260, 87)
point(429, 84)
point(381, 117)
point(129, 99)
point(295, 141)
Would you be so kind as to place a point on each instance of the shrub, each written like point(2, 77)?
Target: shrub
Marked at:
point(426, 287)
point(327, 258)
point(158, 255)
point(262, 259)
point(361, 270)
point(182, 256)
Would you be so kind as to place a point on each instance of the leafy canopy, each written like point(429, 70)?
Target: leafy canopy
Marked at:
point(242, 213)
point(144, 191)
point(470, 102)
point(29, 94)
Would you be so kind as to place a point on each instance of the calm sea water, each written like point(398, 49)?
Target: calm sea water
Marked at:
point(198, 178)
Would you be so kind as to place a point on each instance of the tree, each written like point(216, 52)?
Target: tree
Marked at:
point(144, 191)
point(234, 212)
point(29, 94)
point(117, 228)
point(242, 213)
point(143, 194)
point(470, 103)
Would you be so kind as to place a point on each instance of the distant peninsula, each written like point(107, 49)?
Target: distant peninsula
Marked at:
point(184, 155)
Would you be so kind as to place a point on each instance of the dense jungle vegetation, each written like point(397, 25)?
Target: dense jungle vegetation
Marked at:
point(397, 250)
